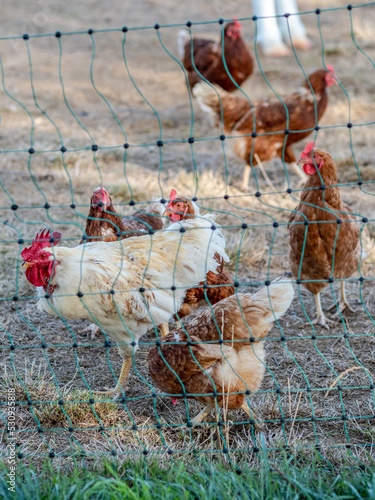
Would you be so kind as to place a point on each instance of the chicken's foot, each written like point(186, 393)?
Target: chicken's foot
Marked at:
point(94, 329)
point(120, 387)
point(321, 319)
point(343, 303)
point(164, 329)
point(202, 415)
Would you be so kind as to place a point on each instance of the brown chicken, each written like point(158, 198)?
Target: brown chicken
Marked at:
point(220, 285)
point(208, 58)
point(268, 119)
point(320, 250)
point(104, 224)
point(220, 351)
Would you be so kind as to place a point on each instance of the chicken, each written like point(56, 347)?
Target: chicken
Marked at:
point(208, 58)
point(127, 287)
point(104, 223)
point(219, 285)
point(323, 237)
point(298, 114)
point(220, 351)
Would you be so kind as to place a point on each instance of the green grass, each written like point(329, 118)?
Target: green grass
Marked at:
point(147, 480)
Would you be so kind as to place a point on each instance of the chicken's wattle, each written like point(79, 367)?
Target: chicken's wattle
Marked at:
point(175, 216)
point(310, 168)
point(34, 275)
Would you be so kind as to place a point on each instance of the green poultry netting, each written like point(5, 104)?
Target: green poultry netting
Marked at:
point(112, 108)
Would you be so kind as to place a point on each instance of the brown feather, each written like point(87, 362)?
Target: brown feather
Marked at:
point(107, 225)
point(269, 116)
point(324, 247)
point(232, 366)
point(208, 60)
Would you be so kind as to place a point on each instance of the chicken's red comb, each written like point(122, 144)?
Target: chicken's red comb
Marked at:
point(331, 69)
point(102, 190)
point(237, 23)
point(172, 197)
point(308, 148)
point(42, 240)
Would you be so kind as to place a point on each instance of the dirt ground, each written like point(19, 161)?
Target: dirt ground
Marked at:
point(79, 90)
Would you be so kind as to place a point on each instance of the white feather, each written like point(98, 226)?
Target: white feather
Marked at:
point(196, 209)
point(279, 294)
point(157, 263)
point(215, 238)
point(183, 38)
point(154, 208)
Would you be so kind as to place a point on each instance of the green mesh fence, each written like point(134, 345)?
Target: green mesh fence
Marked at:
point(74, 127)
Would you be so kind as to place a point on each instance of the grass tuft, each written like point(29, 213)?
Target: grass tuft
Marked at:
point(149, 480)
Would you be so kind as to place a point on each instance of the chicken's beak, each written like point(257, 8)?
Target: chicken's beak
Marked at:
point(168, 213)
point(301, 161)
point(25, 265)
point(172, 215)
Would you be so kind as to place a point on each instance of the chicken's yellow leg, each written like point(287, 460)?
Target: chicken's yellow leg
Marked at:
point(203, 414)
point(343, 303)
point(246, 176)
point(124, 374)
point(321, 319)
point(164, 329)
point(245, 407)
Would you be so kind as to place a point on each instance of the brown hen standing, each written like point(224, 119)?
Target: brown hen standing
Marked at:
point(328, 247)
point(208, 58)
point(219, 285)
point(220, 351)
point(264, 122)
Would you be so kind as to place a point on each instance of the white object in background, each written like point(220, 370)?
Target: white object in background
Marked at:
point(272, 32)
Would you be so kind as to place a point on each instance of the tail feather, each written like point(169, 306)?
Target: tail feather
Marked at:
point(156, 208)
point(275, 298)
point(182, 38)
point(209, 94)
point(221, 106)
point(209, 99)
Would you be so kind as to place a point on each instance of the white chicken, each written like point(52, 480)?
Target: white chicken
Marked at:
point(126, 287)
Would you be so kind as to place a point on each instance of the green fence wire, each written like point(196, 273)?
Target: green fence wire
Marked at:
point(317, 397)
